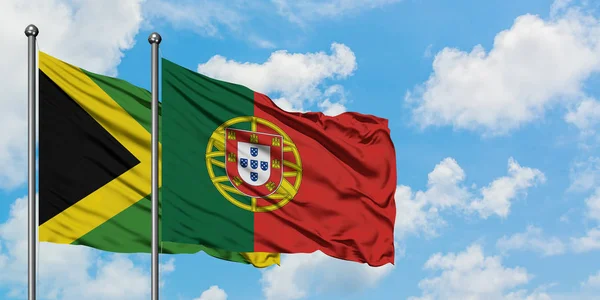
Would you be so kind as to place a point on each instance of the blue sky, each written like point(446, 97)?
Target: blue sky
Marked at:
point(493, 111)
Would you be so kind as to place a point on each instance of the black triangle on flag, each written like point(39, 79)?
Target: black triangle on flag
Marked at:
point(77, 156)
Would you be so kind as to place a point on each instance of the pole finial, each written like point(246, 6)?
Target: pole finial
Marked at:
point(31, 30)
point(154, 38)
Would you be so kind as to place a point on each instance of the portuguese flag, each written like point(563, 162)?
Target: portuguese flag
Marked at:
point(241, 174)
point(94, 164)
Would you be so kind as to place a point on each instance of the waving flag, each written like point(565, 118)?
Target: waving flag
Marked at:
point(242, 174)
point(94, 163)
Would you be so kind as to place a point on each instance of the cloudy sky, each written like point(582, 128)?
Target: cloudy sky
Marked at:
point(493, 108)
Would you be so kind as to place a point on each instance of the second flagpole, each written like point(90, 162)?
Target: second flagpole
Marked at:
point(154, 41)
point(31, 32)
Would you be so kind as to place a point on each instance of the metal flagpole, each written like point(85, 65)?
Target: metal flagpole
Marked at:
point(31, 32)
point(154, 41)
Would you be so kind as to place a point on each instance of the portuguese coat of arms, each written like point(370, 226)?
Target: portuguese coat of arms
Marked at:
point(253, 161)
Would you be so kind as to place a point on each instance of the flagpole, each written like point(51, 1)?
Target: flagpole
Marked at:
point(154, 39)
point(31, 32)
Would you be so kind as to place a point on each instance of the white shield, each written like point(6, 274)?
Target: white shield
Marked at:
point(254, 163)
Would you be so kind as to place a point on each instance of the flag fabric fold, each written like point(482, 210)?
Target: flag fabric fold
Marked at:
point(244, 175)
point(94, 165)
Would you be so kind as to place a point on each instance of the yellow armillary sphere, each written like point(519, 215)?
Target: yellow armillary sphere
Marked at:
point(253, 168)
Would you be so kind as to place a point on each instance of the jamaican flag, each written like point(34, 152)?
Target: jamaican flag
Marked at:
point(94, 165)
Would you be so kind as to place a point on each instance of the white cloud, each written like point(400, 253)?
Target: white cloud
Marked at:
point(593, 205)
point(213, 293)
point(213, 17)
point(303, 274)
point(593, 282)
point(209, 18)
point(298, 79)
point(167, 267)
point(472, 275)
point(585, 175)
point(334, 101)
point(443, 184)
point(533, 240)
point(420, 211)
point(415, 214)
point(586, 116)
point(536, 295)
point(332, 109)
point(559, 6)
point(117, 278)
point(589, 242)
point(67, 271)
point(203, 17)
point(497, 196)
point(286, 105)
point(93, 44)
point(301, 11)
point(534, 66)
